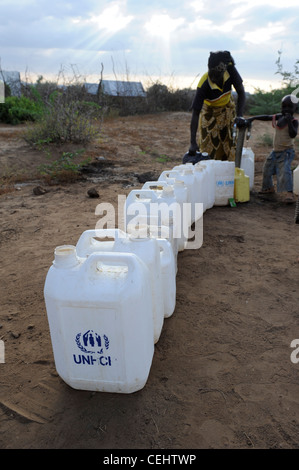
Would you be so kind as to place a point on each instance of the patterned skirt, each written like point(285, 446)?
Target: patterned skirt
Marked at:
point(215, 131)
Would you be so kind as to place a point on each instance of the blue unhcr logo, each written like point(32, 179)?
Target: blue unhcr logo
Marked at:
point(94, 346)
point(91, 342)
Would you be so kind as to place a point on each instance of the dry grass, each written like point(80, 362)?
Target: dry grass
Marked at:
point(11, 177)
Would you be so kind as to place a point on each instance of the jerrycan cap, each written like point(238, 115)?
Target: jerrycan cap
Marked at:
point(65, 256)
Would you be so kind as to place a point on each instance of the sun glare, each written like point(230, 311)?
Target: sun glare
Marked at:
point(163, 25)
point(110, 20)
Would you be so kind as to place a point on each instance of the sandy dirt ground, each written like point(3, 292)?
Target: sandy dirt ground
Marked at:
point(222, 375)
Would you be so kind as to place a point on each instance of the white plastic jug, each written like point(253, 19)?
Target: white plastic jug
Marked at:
point(168, 274)
point(247, 164)
point(199, 189)
point(170, 210)
point(140, 203)
point(174, 175)
point(224, 182)
point(100, 317)
point(159, 203)
point(148, 203)
point(201, 193)
point(156, 186)
point(147, 249)
point(180, 194)
point(296, 180)
point(186, 173)
point(209, 177)
point(183, 196)
point(156, 231)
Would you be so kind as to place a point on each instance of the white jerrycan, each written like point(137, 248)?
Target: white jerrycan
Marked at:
point(200, 174)
point(182, 194)
point(247, 164)
point(159, 188)
point(186, 173)
point(146, 203)
point(156, 186)
point(208, 166)
point(156, 231)
point(140, 203)
point(100, 317)
point(224, 182)
point(139, 243)
point(168, 268)
point(166, 194)
point(168, 274)
point(170, 209)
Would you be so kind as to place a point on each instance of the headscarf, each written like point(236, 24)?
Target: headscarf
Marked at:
point(219, 60)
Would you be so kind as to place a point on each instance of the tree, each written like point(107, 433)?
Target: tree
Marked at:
point(289, 79)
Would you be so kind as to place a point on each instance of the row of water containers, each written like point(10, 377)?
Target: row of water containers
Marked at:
point(107, 297)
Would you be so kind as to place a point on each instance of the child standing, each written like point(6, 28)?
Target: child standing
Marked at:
point(279, 161)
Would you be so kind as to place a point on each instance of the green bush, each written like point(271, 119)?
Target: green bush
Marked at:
point(161, 98)
point(267, 102)
point(62, 124)
point(65, 164)
point(17, 110)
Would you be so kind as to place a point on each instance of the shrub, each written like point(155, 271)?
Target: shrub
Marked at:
point(62, 124)
point(17, 110)
point(65, 168)
point(68, 117)
point(267, 102)
point(161, 98)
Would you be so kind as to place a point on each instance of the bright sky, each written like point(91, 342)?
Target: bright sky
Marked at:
point(163, 40)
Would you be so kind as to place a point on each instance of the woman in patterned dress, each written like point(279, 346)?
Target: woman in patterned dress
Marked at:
point(213, 109)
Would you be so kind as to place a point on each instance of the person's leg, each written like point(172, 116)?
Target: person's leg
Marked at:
point(268, 172)
point(285, 176)
point(284, 172)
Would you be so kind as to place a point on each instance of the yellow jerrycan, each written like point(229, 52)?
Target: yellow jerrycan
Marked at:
point(242, 186)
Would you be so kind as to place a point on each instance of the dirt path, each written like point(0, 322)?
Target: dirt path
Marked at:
point(221, 376)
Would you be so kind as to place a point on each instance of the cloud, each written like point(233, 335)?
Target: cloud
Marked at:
point(243, 5)
point(169, 36)
point(266, 34)
point(229, 26)
point(163, 25)
point(111, 20)
point(197, 5)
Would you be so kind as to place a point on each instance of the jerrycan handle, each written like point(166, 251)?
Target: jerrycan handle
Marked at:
point(165, 249)
point(155, 185)
point(144, 193)
point(169, 174)
point(86, 239)
point(117, 259)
